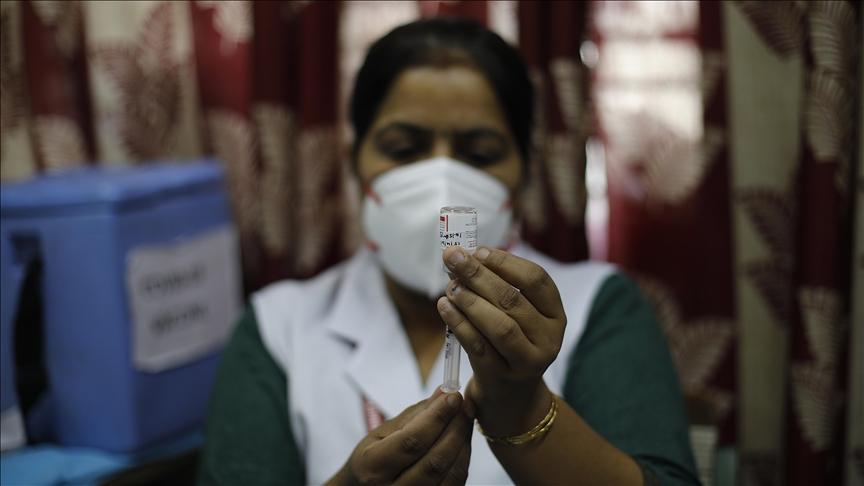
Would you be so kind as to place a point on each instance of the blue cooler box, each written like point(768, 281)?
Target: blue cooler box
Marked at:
point(11, 421)
point(141, 287)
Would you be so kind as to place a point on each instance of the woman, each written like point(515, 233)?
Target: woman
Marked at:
point(570, 378)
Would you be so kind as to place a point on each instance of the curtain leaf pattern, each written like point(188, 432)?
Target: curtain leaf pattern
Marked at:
point(698, 347)
point(660, 87)
point(554, 201)
point(145, 74)
point(816, 283)
point(16, 148)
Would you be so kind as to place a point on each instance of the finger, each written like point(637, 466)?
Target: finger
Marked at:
point(488, 285)
point(458, 473)
point(499, 329)
point(536, 285)
point(392, 454)
point(469, 398)
point(398, 421)
point(434, 466)
point(472, 395)
point(483, 356)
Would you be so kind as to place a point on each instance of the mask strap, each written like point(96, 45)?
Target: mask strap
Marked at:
point(372, 246)
point(377, 199)
point(372, 194)
point(513, 238)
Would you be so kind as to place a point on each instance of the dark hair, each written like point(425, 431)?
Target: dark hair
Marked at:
point(443, 41)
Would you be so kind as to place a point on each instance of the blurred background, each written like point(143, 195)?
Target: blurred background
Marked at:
point(711, 149)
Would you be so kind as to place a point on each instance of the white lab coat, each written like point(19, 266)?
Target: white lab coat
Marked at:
point(339, 340)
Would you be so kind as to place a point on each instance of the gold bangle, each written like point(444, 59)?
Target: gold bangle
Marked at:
point(538, 431)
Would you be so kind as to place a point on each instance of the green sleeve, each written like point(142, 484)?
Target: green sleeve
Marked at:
point(622, 382)
point(248, 437)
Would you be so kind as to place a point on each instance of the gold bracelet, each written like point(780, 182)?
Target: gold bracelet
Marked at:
point(538, 431)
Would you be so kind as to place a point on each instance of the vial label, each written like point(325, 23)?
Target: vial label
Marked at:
point(457, 226)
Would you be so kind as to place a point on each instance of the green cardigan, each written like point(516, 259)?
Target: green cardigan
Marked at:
point(621, 380)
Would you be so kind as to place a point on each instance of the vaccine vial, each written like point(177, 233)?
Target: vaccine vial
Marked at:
point(457, 227)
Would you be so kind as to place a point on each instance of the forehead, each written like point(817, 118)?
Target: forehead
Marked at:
point(443, 98)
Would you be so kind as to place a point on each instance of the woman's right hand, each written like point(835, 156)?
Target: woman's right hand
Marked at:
point(428, 443)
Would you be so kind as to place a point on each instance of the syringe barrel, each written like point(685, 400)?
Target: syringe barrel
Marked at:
point(452, 353)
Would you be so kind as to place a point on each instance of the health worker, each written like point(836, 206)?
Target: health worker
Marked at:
point(336, 379)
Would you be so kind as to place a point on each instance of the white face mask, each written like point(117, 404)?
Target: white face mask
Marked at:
point(400, 217)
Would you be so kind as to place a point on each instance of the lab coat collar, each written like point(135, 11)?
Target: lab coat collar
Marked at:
point(382, 363)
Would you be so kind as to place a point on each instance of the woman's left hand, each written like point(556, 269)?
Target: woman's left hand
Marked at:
point(507, 314)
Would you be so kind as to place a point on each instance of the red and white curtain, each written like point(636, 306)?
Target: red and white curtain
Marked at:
point(795, 197)
point(722, 144)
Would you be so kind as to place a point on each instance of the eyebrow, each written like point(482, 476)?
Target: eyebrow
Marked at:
point(481, 132)
point(412, 129)
point(419, 130)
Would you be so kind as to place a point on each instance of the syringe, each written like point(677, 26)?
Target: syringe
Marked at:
point(452, 352)
point(457, 227)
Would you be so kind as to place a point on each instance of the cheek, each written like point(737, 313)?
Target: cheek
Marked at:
point(370, 164)
point(509, 173)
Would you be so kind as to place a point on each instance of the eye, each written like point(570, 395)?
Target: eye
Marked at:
point(482, 159)
point(481, 148)
point(403, 144)
point(403, 152)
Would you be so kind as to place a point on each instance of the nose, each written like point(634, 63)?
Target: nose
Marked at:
point(443, 146)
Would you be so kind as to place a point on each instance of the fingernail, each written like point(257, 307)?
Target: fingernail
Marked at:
point(452, 400)
point(481, 253)
point(454, 287)
point(456, 257)
point(443, 304)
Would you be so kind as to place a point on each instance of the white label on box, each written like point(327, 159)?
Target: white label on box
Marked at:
point(184, 298)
